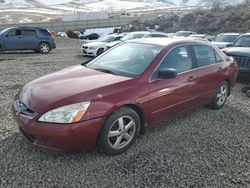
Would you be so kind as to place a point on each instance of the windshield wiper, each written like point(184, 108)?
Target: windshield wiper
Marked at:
point(105, 70)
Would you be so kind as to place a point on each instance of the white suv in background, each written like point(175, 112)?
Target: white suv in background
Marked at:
point(96, 48)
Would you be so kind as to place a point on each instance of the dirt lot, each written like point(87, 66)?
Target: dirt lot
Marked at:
point(203, 148)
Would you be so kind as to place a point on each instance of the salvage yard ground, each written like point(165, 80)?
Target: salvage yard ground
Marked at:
point(203, 148)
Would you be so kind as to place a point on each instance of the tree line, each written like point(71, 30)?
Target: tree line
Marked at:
point(216, 20)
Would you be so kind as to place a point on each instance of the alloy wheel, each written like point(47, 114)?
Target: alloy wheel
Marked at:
point(121, 132)
point(221, 95)
point(44, 48)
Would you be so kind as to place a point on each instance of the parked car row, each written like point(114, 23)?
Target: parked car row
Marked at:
point(232, 44)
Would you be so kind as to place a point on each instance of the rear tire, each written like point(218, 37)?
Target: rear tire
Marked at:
point(220, 96)
point(44, 47)
point(119, 131)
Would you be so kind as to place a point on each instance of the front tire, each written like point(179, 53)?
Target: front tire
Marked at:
point(220, 96)
point(119, 131)
point(100, 51)
point(44, 48)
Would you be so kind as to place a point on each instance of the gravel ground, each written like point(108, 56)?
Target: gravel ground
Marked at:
point(203, 148)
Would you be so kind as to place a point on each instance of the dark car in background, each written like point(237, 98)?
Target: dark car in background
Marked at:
point(26, 38)
point(91, 36)
point(108, 101)
point(240, 50)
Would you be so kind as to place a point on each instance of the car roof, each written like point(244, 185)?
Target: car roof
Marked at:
point(155, 32)
point(229, 34)
point(245, 34)
point(143, 32)
point(167, 41)
point(115, 35)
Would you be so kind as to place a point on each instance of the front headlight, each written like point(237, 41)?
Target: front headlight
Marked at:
point(66, 114)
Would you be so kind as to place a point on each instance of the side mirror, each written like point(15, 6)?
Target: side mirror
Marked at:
point(229, 45)
point(166, 73)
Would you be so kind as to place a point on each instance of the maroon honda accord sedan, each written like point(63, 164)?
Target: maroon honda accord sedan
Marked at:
point(108, 101)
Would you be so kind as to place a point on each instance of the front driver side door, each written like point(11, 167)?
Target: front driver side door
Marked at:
point(169, 97)
point(12, 40)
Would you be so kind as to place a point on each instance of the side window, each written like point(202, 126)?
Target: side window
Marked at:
point(204, 55)
point(13, 33)
point(45, 32)
point(29, 32)
point(157, 35)
point(117, 38)
point(218, 57)
point(178, 58)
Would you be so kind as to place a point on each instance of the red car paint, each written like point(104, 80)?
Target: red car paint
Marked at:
point(158, 100)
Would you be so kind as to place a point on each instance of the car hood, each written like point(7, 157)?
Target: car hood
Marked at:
point(97, 43)
point(111, 44)
point(220, 44)
point(237, 51)
point(68, 86)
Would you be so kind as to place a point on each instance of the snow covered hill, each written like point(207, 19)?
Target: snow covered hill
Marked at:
point(31, 3)
point(23, 11)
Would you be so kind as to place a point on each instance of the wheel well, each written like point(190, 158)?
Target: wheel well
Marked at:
point(229, 86)
point(100, 49)
point(44, 42)
point(140, 112)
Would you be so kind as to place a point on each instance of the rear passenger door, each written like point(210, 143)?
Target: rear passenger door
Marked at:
point(29, 39)
point(208, 72)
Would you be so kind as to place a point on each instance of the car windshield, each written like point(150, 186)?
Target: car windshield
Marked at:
point(128, 59)
point(3, 31)
point(107, 39)
point(226, 38)
point(131, 36)
point(243, 41)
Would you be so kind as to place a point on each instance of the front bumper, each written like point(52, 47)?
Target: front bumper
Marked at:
point(66, 138)
point(88, 52)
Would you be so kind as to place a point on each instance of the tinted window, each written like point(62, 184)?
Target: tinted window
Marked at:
point(156, 35)
point(118, 38)
point(28, 32)
point(204, 55)
point(14, 32)
point(179, 59)
point(45, 32)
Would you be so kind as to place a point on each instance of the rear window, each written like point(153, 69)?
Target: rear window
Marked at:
point(45, 32)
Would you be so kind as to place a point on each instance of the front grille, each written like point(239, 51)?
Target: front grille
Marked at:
point(22, 109)
point(30, 137)
point(243, 62)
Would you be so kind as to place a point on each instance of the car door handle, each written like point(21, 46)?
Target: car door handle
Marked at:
point(191, 78)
